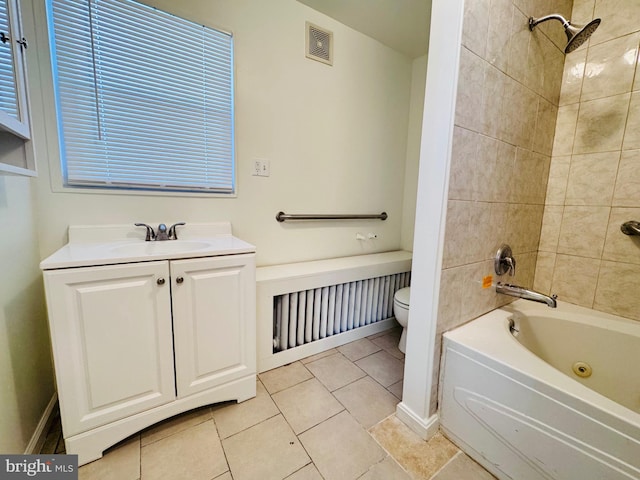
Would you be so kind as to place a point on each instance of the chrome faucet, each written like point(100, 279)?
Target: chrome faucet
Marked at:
point(162, 233)
point(521, 292)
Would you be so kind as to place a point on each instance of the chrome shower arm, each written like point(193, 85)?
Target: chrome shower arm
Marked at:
point(535, 21)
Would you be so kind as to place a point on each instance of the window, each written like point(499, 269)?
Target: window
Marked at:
point(144, 98)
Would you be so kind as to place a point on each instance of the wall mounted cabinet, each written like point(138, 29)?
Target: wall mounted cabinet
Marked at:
point(14, 103)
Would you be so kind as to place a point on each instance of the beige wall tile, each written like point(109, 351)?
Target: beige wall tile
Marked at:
point(519, 113)
point(518, 45)
point(572, 77)
point(498, 38)
point(530, 177)
point(550, 232)
point(610, 67)
point(627, 188)
point(475, 299)
point(450, 298)
point(523, 227)
point(632, 130)
point(619, 17)
point(545, 128)
point(583, 11)
point(565, 130)
point(601, 124)
point(553, 69)
point(558, 177)
point(617, 291)
point(538, 8)
point(592, 178)
point(478, 231)
point(470, 90)
point(475, 26)
point(493, 183)
point(575, 279)
point(544, 272)
point(457, 223)
point(492, 101)
point(619, 247)
point(583, 231)
point(463, 163)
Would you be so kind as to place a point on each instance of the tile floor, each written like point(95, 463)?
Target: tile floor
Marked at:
point(329, 416)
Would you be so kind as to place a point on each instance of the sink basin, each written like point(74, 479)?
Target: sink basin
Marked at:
point(159, 248)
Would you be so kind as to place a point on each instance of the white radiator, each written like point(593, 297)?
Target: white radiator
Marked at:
point(310, 315)
point(306, 308)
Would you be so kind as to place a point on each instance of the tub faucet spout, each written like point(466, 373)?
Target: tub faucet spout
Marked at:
point(521, 292)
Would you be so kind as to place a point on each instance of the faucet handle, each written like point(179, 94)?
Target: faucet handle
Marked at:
point(173, 233)
point(151, 234)
point(511, 265)
point(504, 262)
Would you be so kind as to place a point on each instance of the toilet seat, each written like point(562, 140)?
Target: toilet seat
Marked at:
point(401, 297)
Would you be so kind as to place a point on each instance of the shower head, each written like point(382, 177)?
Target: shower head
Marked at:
point(576, 35)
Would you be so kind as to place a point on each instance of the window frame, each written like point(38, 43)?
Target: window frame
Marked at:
point(57, 162)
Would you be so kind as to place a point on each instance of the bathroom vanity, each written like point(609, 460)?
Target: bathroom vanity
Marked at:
point(144, 330)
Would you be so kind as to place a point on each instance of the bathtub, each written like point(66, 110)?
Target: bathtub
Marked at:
point(532, 392)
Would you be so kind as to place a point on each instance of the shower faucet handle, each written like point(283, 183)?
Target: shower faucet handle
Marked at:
point(504, 261)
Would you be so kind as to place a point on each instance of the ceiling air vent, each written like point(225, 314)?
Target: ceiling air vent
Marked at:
point(319, 44)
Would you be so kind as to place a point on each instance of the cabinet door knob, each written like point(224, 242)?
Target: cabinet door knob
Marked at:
point(179, 280)
point(160, 281)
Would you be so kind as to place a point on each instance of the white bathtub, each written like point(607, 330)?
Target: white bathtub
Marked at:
point(513, 403)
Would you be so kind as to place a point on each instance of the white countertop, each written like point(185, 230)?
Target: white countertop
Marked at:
point(113, 244)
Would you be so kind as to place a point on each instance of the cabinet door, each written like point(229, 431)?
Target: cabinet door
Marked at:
point(213, 321)
point(111, 336)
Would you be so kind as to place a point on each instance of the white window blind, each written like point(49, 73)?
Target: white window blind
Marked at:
point(8, 94)
point(145, 99)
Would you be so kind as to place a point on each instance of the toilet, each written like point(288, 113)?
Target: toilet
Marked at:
point(401, 312)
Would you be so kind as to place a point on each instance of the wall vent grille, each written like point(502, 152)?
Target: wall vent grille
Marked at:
point(319, 44)
point(309, 315)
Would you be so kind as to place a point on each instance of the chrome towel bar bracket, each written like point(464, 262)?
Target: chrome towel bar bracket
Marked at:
point(282, 217)
point(630, 228)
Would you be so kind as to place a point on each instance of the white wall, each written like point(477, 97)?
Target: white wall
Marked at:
point(414, 135)
point(336, 138)
point(25, 360)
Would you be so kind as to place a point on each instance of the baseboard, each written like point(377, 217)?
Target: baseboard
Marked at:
point(40, 434)
point(425, 428)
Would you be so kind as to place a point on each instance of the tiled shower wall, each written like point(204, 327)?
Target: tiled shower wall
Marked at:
point(594, 180)
point(506, 108)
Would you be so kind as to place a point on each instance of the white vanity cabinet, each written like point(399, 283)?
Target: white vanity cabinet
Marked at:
point(212, 344)
point(137, 342)
point(112, 340)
